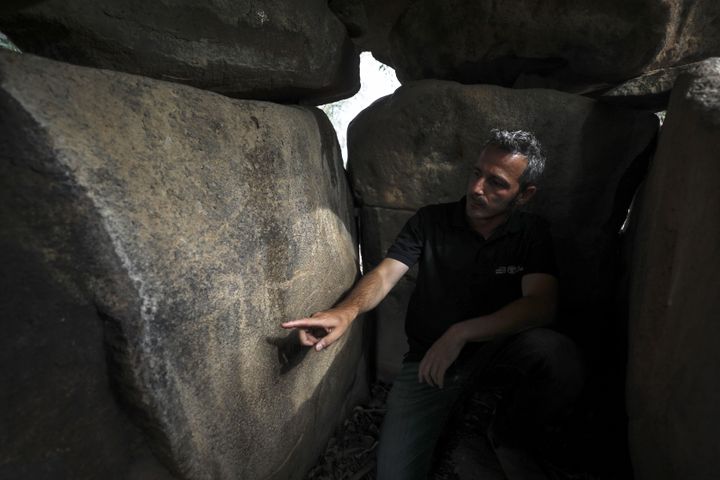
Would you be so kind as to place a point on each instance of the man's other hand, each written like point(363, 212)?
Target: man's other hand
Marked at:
point(439, 357)
point(333, 323)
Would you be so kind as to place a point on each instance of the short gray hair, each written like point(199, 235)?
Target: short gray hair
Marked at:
point(523, 143)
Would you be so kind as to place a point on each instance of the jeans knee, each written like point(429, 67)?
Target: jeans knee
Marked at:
point(551, 355)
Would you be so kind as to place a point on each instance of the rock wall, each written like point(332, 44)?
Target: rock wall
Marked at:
point(578, 44)
point(416, 147)
point(674, 364)
point(582, 46)
point(156, 235)
point(15, 5)
point(269, 49)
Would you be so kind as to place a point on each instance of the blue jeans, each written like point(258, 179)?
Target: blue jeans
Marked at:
point(536, 374)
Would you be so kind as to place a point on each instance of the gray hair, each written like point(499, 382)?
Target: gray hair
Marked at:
point(523, 143)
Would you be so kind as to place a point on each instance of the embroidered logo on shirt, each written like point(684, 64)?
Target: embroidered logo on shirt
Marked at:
point(509, 269)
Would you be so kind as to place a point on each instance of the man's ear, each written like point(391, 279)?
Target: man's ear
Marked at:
point(526, 194)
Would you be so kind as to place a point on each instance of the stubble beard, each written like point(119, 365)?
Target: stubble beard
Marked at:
point(510, 207)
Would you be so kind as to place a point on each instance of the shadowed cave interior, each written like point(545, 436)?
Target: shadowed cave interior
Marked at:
point(180, 179)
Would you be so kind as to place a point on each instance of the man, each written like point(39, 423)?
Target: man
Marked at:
point(486, 284)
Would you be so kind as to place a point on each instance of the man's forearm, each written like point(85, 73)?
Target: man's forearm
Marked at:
point(366, 295)
point(521, 314)
point(526, 312)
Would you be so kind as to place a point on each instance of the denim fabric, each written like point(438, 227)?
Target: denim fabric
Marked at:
point(416, 413)
point(535, 375)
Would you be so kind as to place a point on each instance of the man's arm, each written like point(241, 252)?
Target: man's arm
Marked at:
point(368, 292)
point(534, 309)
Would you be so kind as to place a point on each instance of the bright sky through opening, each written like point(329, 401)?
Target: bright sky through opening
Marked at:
point(376, 80)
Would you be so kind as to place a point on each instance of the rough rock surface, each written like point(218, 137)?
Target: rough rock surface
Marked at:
point(673, 388)
point(352, 14)
point(380, 16)
point(9, 6)
point(650, 91)
point(154, 237)
point(268, 49)
point(416, 147)
point(572, 46)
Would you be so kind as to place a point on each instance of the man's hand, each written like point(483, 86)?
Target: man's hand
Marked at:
point(439, 357)
point(333, 323)
point(368, 292)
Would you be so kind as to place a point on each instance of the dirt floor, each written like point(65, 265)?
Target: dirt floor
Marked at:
point(465, 454)
point(350, 454)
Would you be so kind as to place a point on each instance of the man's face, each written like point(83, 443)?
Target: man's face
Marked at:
point(494, 184)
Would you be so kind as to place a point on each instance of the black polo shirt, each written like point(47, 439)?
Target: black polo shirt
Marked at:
point(460, 274)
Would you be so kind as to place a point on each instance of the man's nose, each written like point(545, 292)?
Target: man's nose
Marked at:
point(478, 186)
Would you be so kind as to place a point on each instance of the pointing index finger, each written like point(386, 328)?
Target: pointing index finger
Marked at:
point(302, 323)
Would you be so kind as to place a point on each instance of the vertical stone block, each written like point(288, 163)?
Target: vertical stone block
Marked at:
point(154, 237)
point(673, 388)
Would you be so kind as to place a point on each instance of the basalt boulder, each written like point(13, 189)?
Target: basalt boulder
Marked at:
point(154, 237)
point(572, 46)
point(269, 49)
point(673, 387)
point(416, 147)
point(379, 16)
point(10, 6)
point(650, 91)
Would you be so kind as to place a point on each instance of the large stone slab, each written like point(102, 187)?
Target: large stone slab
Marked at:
point(573, 46)
point(673, 389)
point(416, 147)
point(268, 49)
point(650, 91)
point(9, 6)
point(380, 16)
point(154, 237)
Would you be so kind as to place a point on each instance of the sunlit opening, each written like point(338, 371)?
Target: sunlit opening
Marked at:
point(6, 43)
point(376, 80)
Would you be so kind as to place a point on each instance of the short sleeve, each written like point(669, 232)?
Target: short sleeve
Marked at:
point(408, 245)
point(541, 255)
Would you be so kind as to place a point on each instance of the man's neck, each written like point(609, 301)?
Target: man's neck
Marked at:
point(486, 226)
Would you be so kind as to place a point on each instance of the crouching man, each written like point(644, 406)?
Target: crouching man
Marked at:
point(486, 288)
